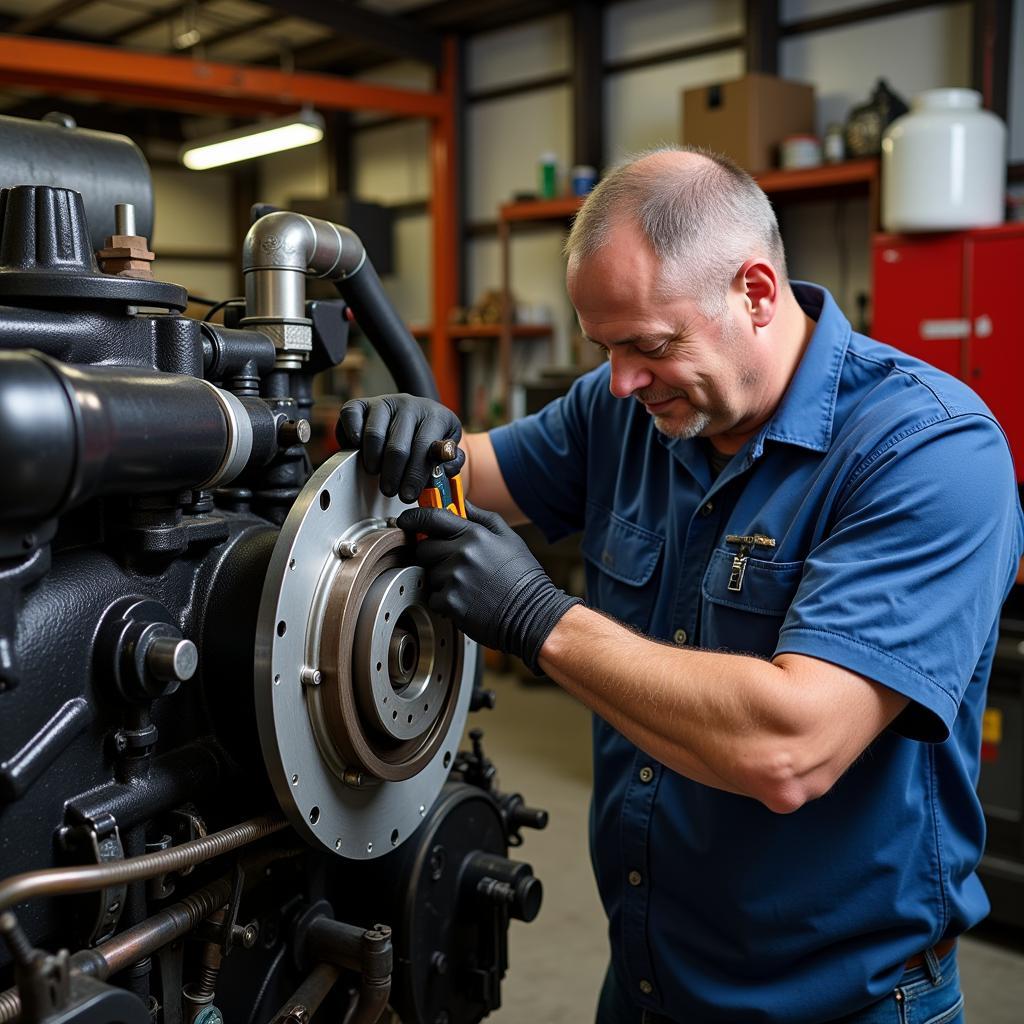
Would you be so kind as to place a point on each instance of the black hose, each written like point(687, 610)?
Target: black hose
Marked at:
point(387, 333)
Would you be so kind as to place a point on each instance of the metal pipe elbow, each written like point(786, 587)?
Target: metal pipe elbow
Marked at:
point(292, 241)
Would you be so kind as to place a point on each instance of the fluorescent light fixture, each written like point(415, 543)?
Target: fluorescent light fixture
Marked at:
point(301, 129)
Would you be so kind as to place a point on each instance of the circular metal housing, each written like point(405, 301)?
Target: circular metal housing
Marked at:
point(361, 690)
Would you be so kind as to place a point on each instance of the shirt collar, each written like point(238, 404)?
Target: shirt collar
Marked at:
point(804, 416)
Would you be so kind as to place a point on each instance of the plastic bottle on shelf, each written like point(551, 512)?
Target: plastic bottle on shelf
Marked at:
point(944, 164)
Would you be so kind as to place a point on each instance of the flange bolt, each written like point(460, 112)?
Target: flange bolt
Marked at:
point(172, 659)
point(294, 432)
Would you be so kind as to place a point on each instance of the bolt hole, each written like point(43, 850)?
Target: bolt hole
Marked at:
point(277, 679)
point(394, 714)
point(325, 500)
point(337, 844)
point(314, 815)
point(447, 758)
point(426, 707)
point(410, 720)
point(291, 564)
point(378, 666)
point(401, 591)
point(394, 837)
point(387, 615)
point(440, 677)
point(385, 700)
point(295, 780)
point(281, 627)
point(369, 847)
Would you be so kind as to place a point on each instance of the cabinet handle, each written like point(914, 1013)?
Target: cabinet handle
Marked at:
point(941, 330)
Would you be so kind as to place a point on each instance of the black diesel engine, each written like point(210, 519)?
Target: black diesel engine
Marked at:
point(230, 783)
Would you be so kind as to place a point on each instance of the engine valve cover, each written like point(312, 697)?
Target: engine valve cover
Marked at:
point(361, 690)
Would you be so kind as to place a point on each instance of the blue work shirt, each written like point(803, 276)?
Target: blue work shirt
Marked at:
point(889, 491)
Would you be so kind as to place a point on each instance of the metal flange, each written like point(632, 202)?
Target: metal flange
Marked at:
point(361, 690)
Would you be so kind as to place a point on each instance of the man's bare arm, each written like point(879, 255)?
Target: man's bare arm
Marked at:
point(482, 480)
point(782, 732)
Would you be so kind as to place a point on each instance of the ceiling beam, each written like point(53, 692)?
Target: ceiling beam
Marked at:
point(179, 82)
point(398, 36)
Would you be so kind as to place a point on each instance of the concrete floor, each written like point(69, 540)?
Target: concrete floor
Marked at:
point(540, 740)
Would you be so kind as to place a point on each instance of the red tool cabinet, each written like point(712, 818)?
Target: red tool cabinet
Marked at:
point(957, 301)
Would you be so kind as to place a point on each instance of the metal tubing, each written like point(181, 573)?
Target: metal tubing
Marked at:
point(130, 946)
point(306, 999)
point(91, 877)
point(370, 1002)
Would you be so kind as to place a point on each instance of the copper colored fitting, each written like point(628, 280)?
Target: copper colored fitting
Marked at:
point(127, 256)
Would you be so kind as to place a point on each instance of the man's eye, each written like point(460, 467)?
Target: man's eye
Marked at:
point(655, 352)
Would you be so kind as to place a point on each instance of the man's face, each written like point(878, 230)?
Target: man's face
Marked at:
point(697, 376)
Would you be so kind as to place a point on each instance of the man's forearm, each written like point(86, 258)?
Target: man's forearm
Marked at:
point(729, 721)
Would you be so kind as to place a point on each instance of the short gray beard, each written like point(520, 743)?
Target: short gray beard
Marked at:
point(693, 426)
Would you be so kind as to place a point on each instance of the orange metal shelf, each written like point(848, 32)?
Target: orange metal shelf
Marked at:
point(852, 173)
point(541, 209)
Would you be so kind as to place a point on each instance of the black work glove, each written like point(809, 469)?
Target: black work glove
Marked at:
point(394, 434)
point(483, 577)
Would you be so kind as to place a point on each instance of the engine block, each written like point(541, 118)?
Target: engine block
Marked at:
point(230, 780)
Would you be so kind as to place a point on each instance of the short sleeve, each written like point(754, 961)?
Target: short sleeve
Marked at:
point(544, 457)
point(908, 582)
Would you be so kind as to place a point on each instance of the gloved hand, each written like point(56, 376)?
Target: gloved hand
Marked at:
point(482, 576)
point(394, 434)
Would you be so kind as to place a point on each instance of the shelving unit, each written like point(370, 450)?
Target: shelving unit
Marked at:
point(829, 181)
point(535, 211)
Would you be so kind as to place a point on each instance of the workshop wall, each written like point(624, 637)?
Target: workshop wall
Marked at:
point(827, 242)
point(192, 230)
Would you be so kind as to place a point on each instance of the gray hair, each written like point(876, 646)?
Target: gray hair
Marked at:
point(703, 219)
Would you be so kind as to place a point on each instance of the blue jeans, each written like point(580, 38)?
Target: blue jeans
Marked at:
point(925, 995)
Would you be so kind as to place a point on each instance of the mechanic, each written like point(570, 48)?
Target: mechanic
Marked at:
point(797, 543)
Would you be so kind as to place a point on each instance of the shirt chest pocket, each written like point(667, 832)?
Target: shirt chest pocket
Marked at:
point(621, 563)
point(747, 619)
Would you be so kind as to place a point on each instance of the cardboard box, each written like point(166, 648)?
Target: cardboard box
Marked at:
point(747, 118)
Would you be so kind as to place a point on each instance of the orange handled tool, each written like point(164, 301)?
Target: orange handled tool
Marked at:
point(442, 491)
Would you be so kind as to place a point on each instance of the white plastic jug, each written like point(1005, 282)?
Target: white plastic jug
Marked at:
point(944, 164)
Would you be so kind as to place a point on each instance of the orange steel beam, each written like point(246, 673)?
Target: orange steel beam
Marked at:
point(444, 240)
point(177, 82)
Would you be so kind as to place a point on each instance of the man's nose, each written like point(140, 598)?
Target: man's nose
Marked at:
point(628, 374)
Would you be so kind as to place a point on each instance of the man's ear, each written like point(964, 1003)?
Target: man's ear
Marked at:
point(759, 283)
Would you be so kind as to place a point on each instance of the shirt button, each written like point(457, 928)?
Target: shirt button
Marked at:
point(646, 987)
point(635, 878)
point(646, 774)
point(707, 508)
point(680, 637)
